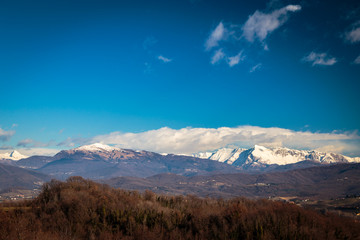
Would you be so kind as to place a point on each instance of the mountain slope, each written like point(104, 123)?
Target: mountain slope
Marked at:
point(15, 177)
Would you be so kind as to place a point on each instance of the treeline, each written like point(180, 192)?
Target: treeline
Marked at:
point(82, 209)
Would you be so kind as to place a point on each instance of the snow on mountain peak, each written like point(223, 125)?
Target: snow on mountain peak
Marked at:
point(226, 155)
point(14, 155)
point(262, 156)
point(275, 156)
point(97, 147)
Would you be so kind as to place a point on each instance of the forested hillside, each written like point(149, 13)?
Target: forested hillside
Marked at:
point(82, 209)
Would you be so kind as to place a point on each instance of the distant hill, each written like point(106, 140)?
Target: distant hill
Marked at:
point(15, 177)
point(323, 182)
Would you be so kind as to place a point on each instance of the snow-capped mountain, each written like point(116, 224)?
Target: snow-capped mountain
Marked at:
point(14, 155)
point(260, 156)
point(97, 147)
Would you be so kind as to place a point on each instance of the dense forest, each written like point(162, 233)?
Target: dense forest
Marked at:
point(83, 209)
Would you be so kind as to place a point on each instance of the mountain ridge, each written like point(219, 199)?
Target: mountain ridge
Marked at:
point(98, 161)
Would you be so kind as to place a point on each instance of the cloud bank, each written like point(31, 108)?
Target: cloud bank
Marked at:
point(190, 140)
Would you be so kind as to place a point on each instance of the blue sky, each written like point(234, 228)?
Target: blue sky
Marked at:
point(75, 72)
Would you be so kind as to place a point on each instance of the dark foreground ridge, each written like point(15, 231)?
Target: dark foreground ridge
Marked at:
point(82, 209)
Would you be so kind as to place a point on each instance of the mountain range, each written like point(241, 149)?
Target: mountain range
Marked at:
point(98, 161)
point(226, 172)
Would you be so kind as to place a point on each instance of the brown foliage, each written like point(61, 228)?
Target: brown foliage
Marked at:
point(82, 209)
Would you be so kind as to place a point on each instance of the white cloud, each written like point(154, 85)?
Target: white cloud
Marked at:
point(164, 59)
point(260, 25)
point(293, 8)
point(256, 67)
point(320, 59)
point(218, 34)
point(6, 135)
point(232, 61)
point(357, 60)
point(219, 54)
point(353, 36)
point(191, 140)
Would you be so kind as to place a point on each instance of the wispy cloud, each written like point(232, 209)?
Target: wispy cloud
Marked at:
point(353, 36)
point(164, 59)
point(72, 142)
point(218, 34)
point(257, 27)
point(357, 60)
point(320, 59)
point(190, 140)
point(260, 25)
point(25, 142)
point(255, 68)
point(234, 60)
point(31, 143)
point(219, 54)
point(6, 135)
